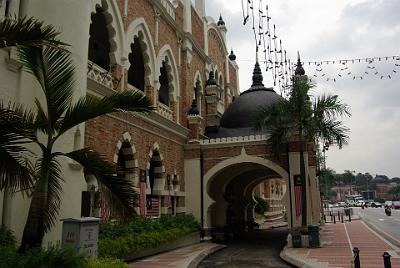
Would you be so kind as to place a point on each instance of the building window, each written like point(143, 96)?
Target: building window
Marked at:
point(99, 46)
point(136, 70)
point(163, 95)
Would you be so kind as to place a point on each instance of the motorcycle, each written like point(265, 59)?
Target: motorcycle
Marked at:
point(388, 211)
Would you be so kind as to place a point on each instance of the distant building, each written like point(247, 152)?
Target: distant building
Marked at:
point(272, 191)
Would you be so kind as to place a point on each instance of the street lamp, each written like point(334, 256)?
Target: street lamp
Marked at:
point(324, 149)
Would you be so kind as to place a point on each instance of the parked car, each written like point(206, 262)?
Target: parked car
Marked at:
point(359, 203)
point(376, 205)
point(388, 203)
point(396, 205)
point(341, 204)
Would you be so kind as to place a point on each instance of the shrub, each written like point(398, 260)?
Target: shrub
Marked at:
point(261, 206)
point(144, 225)
point(7, 238)
point(105, 263)
point(135, 243)
point(52, 257)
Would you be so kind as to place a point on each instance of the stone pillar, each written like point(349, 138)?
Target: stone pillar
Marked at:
point(211, 97)
point(195, 127)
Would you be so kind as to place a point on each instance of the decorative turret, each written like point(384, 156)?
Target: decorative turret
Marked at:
point(299, 67)
point(194, 122)
point(232, 56)
point(220, 22)
point(211, 80)
point(194, 110)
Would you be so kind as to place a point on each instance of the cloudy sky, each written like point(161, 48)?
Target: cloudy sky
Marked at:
point(334, 30)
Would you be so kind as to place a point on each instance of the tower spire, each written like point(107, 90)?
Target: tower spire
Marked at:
point(299, 67)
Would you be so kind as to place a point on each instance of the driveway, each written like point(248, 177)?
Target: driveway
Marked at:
point(255, 249)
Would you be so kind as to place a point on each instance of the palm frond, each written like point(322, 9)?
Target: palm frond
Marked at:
point(330, 106)
point(27, 32)
point(54, 190)
point(89, 107)
point(123, 195)
point(16, 172)
point(54, 71)
point(334, 132)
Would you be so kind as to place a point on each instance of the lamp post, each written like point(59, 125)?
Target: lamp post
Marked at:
point(324, 149)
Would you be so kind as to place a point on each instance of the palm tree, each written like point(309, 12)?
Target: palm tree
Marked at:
point(311, 119)
point(54, 71)
point(16, 173)
point(50, 64)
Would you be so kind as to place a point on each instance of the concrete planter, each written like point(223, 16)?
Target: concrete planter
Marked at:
point(183, 241)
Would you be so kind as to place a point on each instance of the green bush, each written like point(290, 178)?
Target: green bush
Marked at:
point(52, 257)
point(135, 243)
point(7, 238)
point(105, 263)
point(261, 206)
point(144, 225)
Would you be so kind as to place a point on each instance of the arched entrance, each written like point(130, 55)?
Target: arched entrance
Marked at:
point(230, 185)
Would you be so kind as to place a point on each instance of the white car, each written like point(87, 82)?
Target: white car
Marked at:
point(341, 204)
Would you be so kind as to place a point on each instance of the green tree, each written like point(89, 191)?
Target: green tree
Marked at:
point(52, 67)
point(395, 191)
point(310, 118)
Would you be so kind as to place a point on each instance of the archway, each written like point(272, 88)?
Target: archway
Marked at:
point(136, 72)
point(230, 191)
point(99, 47)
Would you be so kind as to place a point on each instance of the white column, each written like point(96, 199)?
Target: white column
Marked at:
point(13, 8)
point(187, 17)
point(200, 7)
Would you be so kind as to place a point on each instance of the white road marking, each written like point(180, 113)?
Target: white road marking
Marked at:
point(381, 219)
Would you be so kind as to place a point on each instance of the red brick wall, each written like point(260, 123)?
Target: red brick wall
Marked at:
point(216, 51)
point(103, 133)
point(197, 29)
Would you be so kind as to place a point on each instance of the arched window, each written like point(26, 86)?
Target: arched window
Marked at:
point(163, 95)
point(136, 71)
point(99, 46)
point(197, 94)
point(221, 92)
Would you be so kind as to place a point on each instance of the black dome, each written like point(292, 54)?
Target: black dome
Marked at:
point(241, 113)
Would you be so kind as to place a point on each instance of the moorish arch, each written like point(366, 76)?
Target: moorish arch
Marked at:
point(167, 73)
point(155, 171)
point(125, 158)
point(198, 89)
point(138, 38)
point(255, 169)
point(106, 34)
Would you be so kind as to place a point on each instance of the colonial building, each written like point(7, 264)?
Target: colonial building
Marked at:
point(197, 152)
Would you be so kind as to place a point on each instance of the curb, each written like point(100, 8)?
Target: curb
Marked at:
point(299, 261)
point(204, 254)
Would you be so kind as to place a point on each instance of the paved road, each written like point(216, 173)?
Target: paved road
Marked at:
point(389, 225)
point(257, 249)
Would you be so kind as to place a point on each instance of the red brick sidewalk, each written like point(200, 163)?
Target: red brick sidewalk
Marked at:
point(338, 241)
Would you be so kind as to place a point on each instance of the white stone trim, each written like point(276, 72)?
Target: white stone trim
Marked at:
point(239, 139)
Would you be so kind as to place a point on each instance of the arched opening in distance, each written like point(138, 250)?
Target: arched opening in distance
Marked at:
point(99, 46)
point(163, 94)
point(136, 70)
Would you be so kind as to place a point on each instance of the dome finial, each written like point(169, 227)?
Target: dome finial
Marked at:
point(220, 22)
point(232, 56)
point(299, 67)
point(257, 75)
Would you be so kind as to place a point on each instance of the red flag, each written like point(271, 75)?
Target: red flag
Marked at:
point(142, 193)
point(298, 195)
point(298, 200)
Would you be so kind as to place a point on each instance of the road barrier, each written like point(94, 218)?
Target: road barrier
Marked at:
point(356, 254)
